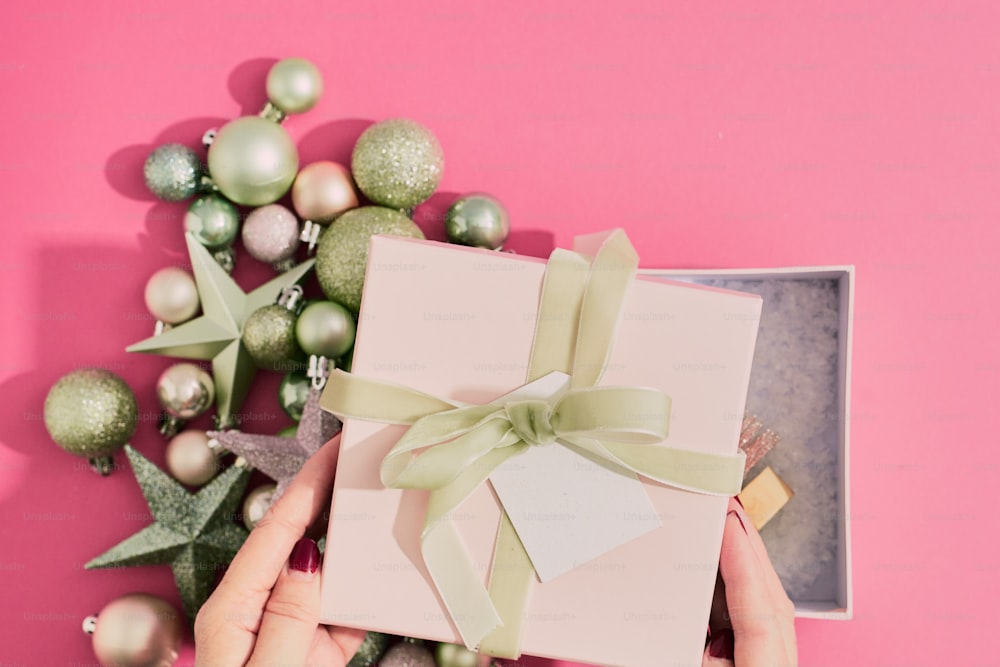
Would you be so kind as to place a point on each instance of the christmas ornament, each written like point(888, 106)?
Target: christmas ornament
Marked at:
point(342, 253)
point(253, 161)
point(455, 655)
point(173, 172)
point(91, 413)
point(293, 393)
point(190, 459)
point(406, 654)
point(185, 391)
point(256, 504)
point(171, 297)
point(294, 85)
point(397, 163)
point(269, 333)
point(281, 458)
point(136, 630)
point(271, 234)
point(371, 650)
point(322, 191)
point(193, 533)
point(217, 334)
point(214, 223)
point(477, 220)
point(325, 329)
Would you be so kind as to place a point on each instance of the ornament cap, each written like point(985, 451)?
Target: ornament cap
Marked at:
point(290, 298)
point(103, 465)
point(90, 625)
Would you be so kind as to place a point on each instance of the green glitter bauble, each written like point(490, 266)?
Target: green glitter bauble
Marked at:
point(269, 336)
point(397, 163)
point(342, 253)
point(371, 650)
point(91, 412)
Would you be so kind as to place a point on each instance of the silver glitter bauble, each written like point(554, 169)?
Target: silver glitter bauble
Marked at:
point(173, 172)
point(397, 163)
point(213, 221)
point(407, 655)
point(256, 504)
point(190, 459)
point(269, 337)
point(342, 253)
point(90, 412)
point(325, 328)
point(185, 390)
point(136, 630)
point(322, 191)
point(477, 220)
point(294, 85)
point(171, 295)
point(371, 650)
point(253, 161)
point(271, 233)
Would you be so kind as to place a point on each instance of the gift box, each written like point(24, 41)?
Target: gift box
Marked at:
point(626, 565)
point(800, 387)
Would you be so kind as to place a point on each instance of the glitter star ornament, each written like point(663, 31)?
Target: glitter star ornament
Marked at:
point(218, 333)
point(194, 533)
point(281, 458)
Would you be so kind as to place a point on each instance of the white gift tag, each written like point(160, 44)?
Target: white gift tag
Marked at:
point(566, 509)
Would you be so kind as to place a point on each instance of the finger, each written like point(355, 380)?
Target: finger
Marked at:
point(773, 581)
point(256, 567)
point(783, 605)
point(291, 614)
point(758, 640)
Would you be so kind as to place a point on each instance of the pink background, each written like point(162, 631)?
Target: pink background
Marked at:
point(717, 136)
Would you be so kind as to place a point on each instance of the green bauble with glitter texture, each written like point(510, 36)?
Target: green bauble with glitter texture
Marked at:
point(342, 253)
point(91, 412)
point(371, 650)
point(269, 336)
point(397, 163)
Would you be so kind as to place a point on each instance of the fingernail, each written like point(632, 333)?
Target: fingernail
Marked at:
point(721, 645)
point(738, 501)
point(305, 556)
point(740, 519)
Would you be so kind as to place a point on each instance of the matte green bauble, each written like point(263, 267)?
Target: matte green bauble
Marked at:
point(326, 329)
point(294, 85)
point(91, 412)
point(269, 336)
point(397, 163)
point(342, 253)
point(253, 161)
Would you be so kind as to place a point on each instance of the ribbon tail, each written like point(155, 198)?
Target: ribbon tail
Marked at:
point(461, 589)
point(511, 580)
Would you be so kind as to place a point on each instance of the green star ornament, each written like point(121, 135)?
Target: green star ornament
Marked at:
point(192, 532)
point(218, 333)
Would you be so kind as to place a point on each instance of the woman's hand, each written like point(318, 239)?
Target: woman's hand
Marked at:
point(265, 610)
point(761, 630)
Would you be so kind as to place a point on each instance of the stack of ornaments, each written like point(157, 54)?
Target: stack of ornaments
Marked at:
point(328, 210)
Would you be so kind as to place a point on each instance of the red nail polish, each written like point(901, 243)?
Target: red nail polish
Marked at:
point(738, 501)
point(305, 556)
point(740, 519)
point(721, 645)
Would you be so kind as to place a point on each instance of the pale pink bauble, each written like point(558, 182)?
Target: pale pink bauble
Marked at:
point(322, 191)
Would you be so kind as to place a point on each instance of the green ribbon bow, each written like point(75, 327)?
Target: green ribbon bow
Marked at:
point(450, 449)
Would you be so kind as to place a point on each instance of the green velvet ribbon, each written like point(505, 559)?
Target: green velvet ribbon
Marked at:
point(450, 449)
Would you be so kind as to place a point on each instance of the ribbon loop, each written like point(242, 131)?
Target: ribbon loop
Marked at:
point(531, 420)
